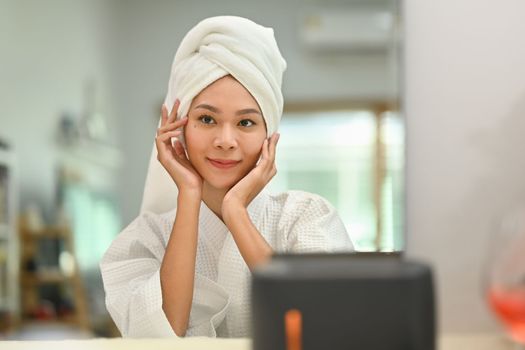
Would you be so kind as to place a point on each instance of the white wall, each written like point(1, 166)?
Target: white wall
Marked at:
point(49, 50)
point(465, 103)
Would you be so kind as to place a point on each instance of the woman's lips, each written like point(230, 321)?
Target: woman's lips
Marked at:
point(223, 163)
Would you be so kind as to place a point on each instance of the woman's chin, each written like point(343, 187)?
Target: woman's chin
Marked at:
point(221, 185)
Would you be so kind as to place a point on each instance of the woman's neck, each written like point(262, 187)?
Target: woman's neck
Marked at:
point(213, 198)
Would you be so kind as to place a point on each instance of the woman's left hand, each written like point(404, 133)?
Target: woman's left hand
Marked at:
point(240, 195)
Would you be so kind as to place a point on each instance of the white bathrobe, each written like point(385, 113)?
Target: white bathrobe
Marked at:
point(293, 221)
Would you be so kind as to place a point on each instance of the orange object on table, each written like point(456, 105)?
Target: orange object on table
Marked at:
point(293, 324)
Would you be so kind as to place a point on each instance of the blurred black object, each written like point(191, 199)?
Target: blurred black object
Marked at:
point(30, 265)
point(3, 144)
point(68, 129)
point(347, 301)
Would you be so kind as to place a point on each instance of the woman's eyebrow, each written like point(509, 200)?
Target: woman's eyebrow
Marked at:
point(218, 111)
point(248, 111)
point(208, 107)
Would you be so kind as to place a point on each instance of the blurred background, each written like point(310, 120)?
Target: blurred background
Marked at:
point(82, 86)
point(369, 84)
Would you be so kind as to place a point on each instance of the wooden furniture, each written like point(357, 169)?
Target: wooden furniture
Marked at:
point(54, 271)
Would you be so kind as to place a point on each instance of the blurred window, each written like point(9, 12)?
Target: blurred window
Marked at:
point(353, 158)
point(95, 222)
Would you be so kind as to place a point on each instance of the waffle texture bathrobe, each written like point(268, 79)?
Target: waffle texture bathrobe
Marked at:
point(293, 221)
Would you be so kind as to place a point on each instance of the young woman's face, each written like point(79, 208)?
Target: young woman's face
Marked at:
point(225, 133)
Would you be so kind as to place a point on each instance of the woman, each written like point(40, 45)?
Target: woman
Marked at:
point(187, 271)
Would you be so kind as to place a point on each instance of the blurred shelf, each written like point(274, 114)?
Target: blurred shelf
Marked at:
point(32, 279)
point(40, 276)
point(55, 321)
point(46, 232)
point(9, 240)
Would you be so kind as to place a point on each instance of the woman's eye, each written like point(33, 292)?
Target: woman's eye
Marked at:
point(246, 123)
point(206, 119)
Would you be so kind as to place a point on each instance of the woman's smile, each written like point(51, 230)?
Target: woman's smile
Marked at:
point(223, 163)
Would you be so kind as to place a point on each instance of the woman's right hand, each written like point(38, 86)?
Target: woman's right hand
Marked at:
point(173, 156)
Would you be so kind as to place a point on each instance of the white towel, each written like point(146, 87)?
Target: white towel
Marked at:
point(214, 48)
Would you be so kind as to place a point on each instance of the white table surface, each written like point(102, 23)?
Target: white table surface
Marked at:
point(446, 342)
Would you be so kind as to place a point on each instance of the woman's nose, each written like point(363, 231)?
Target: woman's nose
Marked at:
point(225, 138)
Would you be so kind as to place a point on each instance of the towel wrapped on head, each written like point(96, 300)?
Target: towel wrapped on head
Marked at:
point(214, 48)
point(219, 46)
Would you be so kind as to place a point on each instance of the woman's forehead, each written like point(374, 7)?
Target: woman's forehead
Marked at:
point(226, 92)
point(226, 83)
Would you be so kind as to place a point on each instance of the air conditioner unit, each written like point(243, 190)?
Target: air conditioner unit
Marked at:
point(348, 30)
